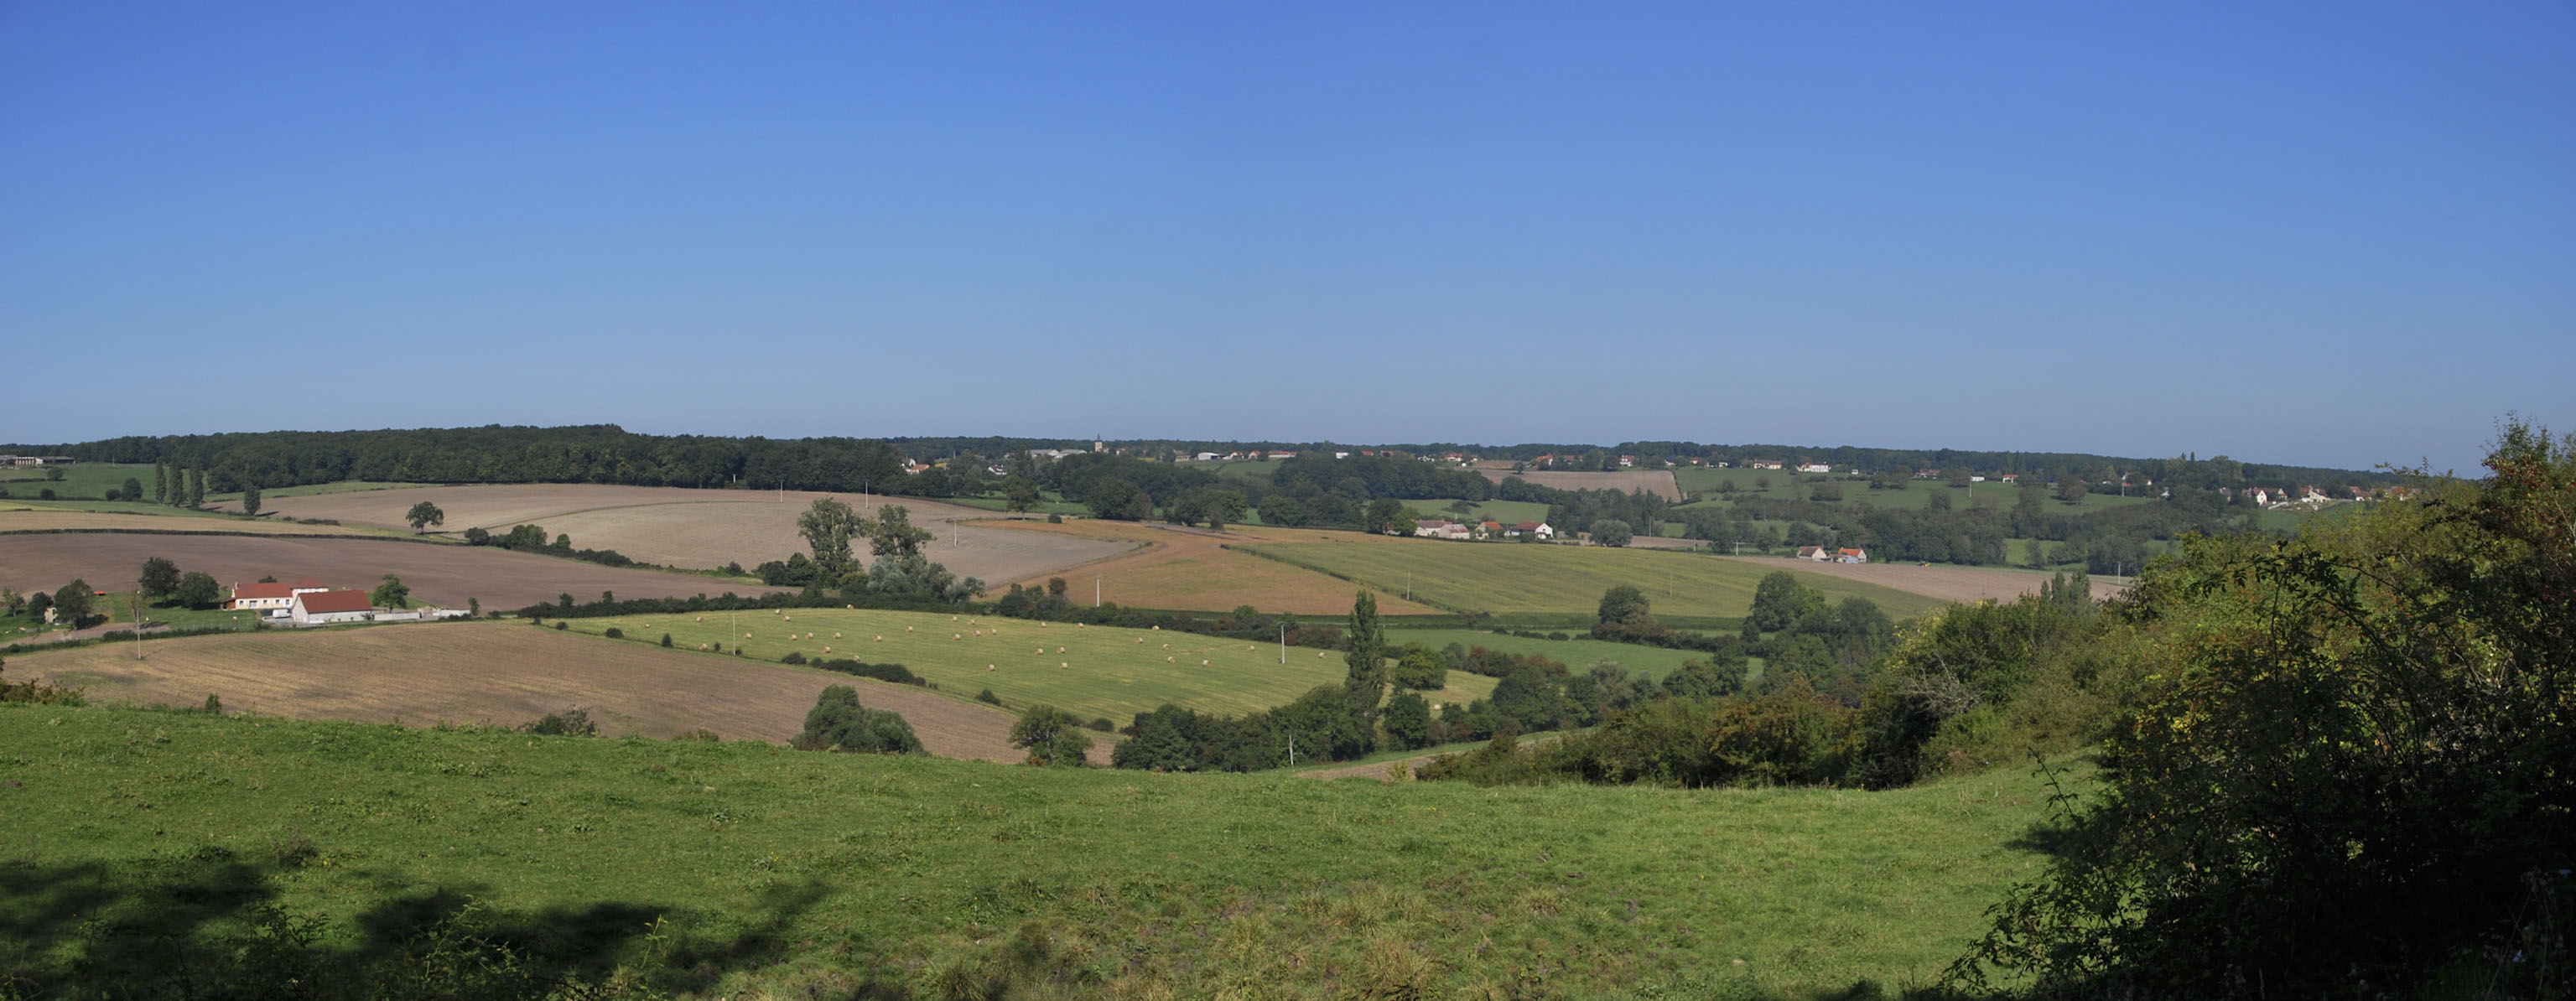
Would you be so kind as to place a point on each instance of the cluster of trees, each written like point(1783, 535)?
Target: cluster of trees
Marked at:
point(526, 539)
point(839, 723)
point(1840, 700)
point(1329, 723)
point(162, 583)
point(74, 605)
point(900, 571)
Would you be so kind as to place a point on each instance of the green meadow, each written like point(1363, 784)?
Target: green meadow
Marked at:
point(1511, 578)
point(81, 480)
point(1699, 484)
point(1091, 671)
point(154, 848)
point(1578, 653)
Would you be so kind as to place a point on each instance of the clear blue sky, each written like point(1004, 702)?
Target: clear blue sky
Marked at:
point(2321, 233)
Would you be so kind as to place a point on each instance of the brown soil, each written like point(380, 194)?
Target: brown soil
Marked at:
point(503, 674)
point(1943, 581)
point(437, 574)
point(26, 520)
point(1653, 481)
point(1166, 566)
point(697, 529)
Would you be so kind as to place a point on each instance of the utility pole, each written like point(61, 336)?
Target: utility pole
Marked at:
point(138, 623)
point(1292, 750)
point(1283, 644)
point(1095, 590)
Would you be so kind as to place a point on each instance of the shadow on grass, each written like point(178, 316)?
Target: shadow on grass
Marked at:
point(208, 925)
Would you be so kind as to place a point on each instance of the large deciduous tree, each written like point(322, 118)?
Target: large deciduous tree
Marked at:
point(198, 590)
point(158, 579)
point(393, 593)
point(425, 514)
point(73, 604)
point(839, 723)
point(828, 525)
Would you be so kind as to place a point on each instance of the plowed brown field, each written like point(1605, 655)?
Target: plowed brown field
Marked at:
point(1184, 568)
point(1943, 581)
point(441, 575)
point(698, 529)
point(40, 519)
point(501, 674)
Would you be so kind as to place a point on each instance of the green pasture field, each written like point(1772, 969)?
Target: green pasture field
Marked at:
point(109, 507)
point(1508, 512)
point(1576, 654)
point(1509, 578)
point(1108, 671)
point(1788, 485)
point(146, 842)
point(1243, 469)
point(316, 489)
point(1049, 503)
point(81, 480)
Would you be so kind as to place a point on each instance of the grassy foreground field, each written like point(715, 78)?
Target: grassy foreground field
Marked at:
point(1092, 671)
point(1507, 578)
point(741, 870)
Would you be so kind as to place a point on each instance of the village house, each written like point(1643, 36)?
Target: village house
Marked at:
point(1435, 528)
point(1851, 556)
point(1815, 467)
point(1815, 553)
point(315, 608)
point(1534, 529)
point(272, 599)
point(1766, 464)
point(2012, 477)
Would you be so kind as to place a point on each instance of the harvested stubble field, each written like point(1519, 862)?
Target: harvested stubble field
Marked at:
point(438, 574)
point(698, 529)
point(42, 519)
point(1183, 568)
point(505, 674)
point(1653, 481)
point(1092, 671)
point(1505, 577)
point(1939, 580)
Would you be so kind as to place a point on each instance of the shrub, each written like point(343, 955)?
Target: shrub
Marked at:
point(1052, 736)
point(614, 633)
point(1055, 519)
point(1103, 725)
point(792, 657)
point(896, 673)
point(214, 706)
point(700, 734)
point(839, 723)
point(560, 624)
point(666, 639)
point(988, 696)
point(568, 723)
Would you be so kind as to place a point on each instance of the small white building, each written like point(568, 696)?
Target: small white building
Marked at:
point(1815, 467)
point(1436, 528)
point(1533, 529)
point(1815, 553)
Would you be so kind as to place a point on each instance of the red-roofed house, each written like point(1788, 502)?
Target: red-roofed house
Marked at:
point(269, 597)
point(1851, 556)
point(313, 608)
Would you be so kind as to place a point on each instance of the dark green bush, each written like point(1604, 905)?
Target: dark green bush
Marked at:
point(614, 633)
point(988, 696)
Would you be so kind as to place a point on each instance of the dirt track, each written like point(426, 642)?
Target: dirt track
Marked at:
point(437, 574)
point(1939, 580)
point(680, 527)
point(502, 674)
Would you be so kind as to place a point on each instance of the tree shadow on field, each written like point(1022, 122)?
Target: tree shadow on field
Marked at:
point(207, 924)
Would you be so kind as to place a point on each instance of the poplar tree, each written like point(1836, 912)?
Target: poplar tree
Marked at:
point(160, 482)
point(1367, 658)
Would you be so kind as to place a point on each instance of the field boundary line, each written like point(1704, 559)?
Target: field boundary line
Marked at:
point(1337, 575)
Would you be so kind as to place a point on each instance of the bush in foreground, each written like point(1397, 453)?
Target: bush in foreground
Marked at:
point(839, 723)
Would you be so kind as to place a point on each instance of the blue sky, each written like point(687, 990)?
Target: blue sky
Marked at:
point(2335, 234)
